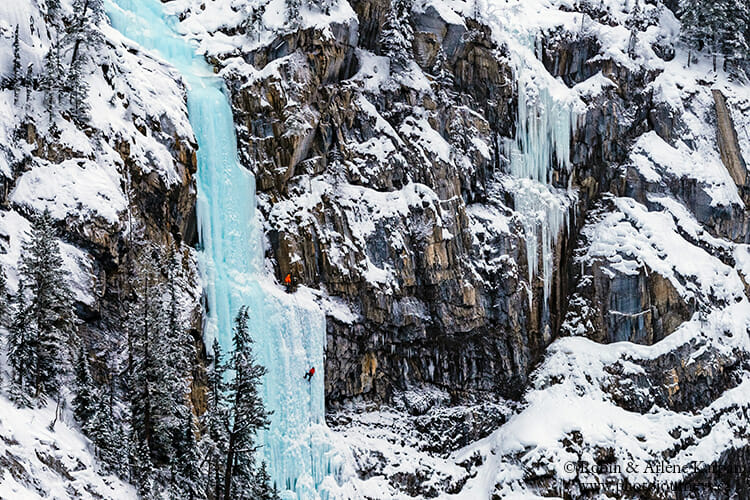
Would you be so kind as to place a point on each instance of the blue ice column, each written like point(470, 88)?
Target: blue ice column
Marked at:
point(289, 330)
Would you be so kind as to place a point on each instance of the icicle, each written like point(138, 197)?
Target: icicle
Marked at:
point(544, 128)
point(544, 213)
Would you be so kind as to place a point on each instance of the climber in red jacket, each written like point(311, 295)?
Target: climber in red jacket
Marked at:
point(309, 375)
point(288, 283)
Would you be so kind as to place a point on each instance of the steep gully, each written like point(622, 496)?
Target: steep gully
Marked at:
point(289, 331)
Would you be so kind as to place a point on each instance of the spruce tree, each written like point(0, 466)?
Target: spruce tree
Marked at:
point(44, 310)
point(53, 12)
point(83, 39)
point(145, 324)
point(17, 76)
point(254, 19)
point(106, 434)
point(180, 345)
point(215, 422)
point(716, 26)
point(142, 471)
point(188, 476)
point(77, 91)
point(105, 430)
point(264, 489)
point(85, 396)
point(443, 78)
point(28, 83)
point(22, 348)
point(83, 32)
point(161, 353)
point(635, 22)
point(4, 305)
point(395, 39)
point(174, 349)
point(293, 13)
point(734, 42)
point(248, 415)
point(52, 78)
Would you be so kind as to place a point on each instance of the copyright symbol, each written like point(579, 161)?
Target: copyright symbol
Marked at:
point(569, 467)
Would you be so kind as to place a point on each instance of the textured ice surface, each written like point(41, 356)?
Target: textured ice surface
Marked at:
point(544, 126)
point(289, 330)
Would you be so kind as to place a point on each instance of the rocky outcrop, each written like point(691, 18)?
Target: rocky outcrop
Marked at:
point(386, 188)
point(678, 380)
point(642, 308)
point(726, 136)
point(359, 204)
point(426, 311)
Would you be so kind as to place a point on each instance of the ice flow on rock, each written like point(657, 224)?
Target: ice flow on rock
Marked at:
point(289, 331)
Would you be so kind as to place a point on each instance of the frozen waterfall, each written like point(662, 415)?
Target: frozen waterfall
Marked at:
point(546, 120)
point(289, 330)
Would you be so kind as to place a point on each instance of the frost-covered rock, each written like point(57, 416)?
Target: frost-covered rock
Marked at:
point(538, 170)
point(541, 205)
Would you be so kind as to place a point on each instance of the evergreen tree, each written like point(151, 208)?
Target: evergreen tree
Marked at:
point(106, 434)
point(53, 12)
point(635, 22)
point(443, 77)
point(254, 19)
point(693, 27)
point(143, 473)
point(293, 13)
point(188, 477)
point(161, 353)
point(111, 445)
point(84, 399)
point(83, 32)
point(52, 77)
point(77, 91)
point(22, 349)
point(717, 26)
point(4, 305)
point(735, 42)
point(247, 412)
point(264, 489)
point(17, 76)
point(395, 39)
point(145, 324)
point(28, 83)
point(172, 408)
point(83, 39)
point(43, 311)
point(180, 344)
point(215, 421)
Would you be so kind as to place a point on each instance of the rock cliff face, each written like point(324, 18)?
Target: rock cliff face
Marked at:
point(391, 189)
point(366, 181)
point(382, 187)
point(469, 295)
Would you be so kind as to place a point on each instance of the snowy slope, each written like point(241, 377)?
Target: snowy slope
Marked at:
point(36, 462)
